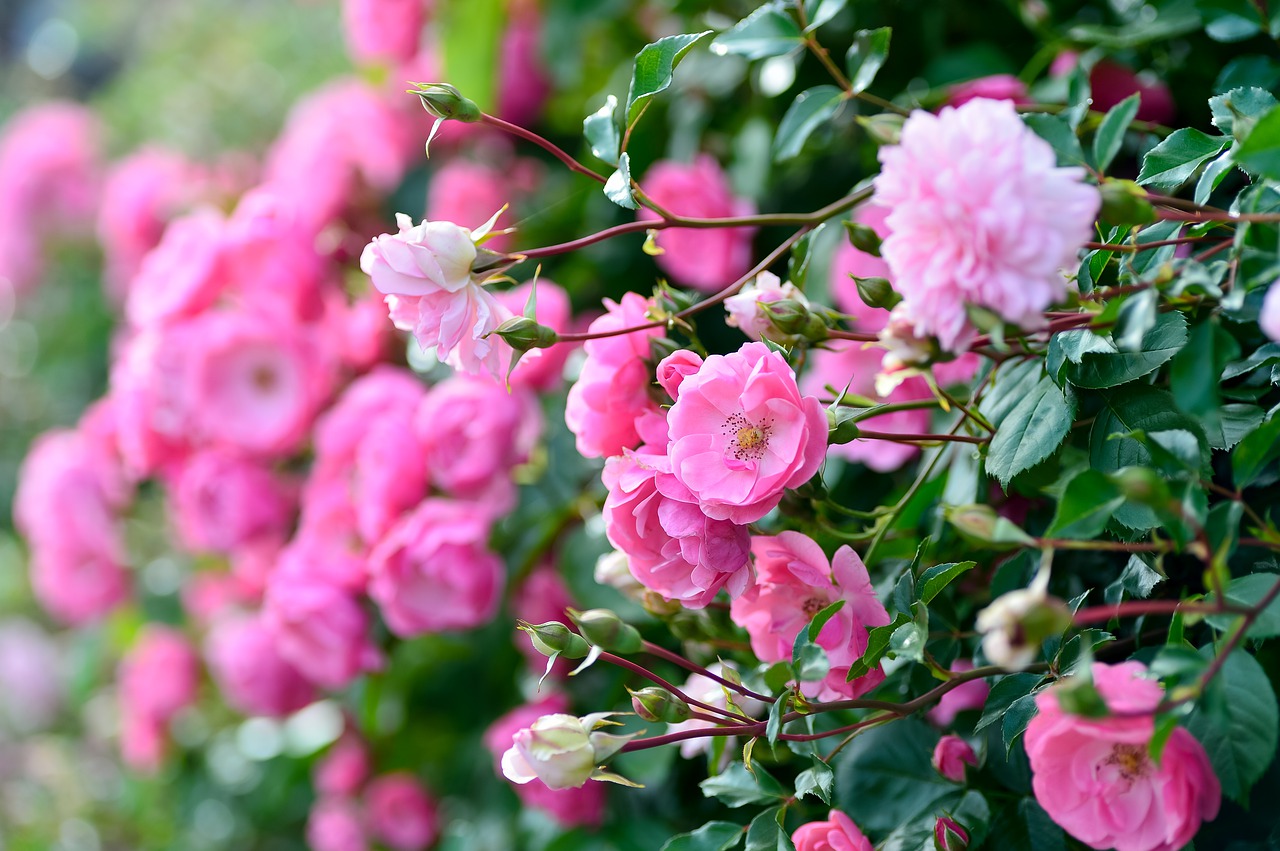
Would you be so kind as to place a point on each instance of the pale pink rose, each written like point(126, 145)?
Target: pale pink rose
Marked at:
point(963, 232)
point(612, 391)
point(962, 698)
point(837, 833)
point(849, 263)
point(673, 370)
point(545, 370)
point(465, 191)
point(541, 598)
point(434, 570)
point(475, 432)
point(269, 259)
point(713, 693)
point(359, 328)
point(335, 825)
point(993, 87)
point(180, 276)
point(794, 581)
point(672, 547)
point(1111, 82)
point(220, 501)
point(158, 678)
point(31, 676)
point(320, 628)
point(246, 664)
point(523, 84)
point(741, 434)
point(383, 30)
point(399, 812)
point(344, 769)
point(707, 259)
point(746, 309)
point(951, 756)
point(569, 807)
point(1095, 778)
point(1269, 319)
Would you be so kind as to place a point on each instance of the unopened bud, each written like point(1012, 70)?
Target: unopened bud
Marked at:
point(863, 237)
point(840, 426)
point(795, 319)
point(606, 630)
point(658, 704)
point(1141, 485)
point(877, 292)
point(554, 638)
point(1017, 623)
point(982, 525)
point(884, 128)
point(445, 102)
point(523, 334)
point(949, 836)
point(1125, 203)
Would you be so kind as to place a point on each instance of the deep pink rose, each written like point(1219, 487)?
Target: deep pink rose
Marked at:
point(383, 30)
point(320, 628)
point(709, 260)
point(674, 369)
point(221, 501)
point(672, 546)
point(994, 87)
point(1094, 777)
point(1111, 82)
point(523, 85)
point(838, 833)
point(741, 434)
point(344, 769)
point(950, 757)
point(247, 666)
point(612, 391)
point(335, 825)
point(434, 570)
point(158, 678)
point(545, 370)
point(970, 695)
point(794, 581)
point(569, 807)
point(399, 812)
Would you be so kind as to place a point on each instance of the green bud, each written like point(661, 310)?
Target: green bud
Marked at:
point(863, 237)
point(658, 704)
point(606, 630)
point(840, 426)
point(1125, 203)
point(1142, 485)
point(982, 525)
point(876, 292)
point(447, 103)
point(794, 319)
point(523, 334)
point(884, 128)
point(553, 638)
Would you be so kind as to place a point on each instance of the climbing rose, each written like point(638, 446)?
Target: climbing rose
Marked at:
point(399, 812)
point(838, 833)
point(158, 678)
point(950, 757)
point(560, 750)
point(320, 628)
point(1096, 778)
point(981, 214)
point(249, 671)
point(968, 696)
point(335, 825)
point(741, 434)
point(344, 769)
point(995, 87)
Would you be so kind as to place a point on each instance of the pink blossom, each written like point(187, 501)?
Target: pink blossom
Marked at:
point(949, 836)
point(545, 371)
point(383, 30)
point(794, 582)
point(157, 679)
point(674, 369)
point(962, 698)
point(180, 276)
point(523, 85)
point(951, 755)
point(269, 259)
point(741, 433)
point(475, 432)
point(569, 807)
point(965, 232)
point(399, 812)
point(1111, 82)
point(672, 547)
point(328, 546)
point(1094, 777)
point(1269, 320)
point(207, 595)
point(612, 391)
point(465, 191)
point(221, 501)
point(712, 259)
point(360, 329)
point(246, 664)
point(993, 87)
point(335, 825)
point(344, 769)
point(837, 833)
point(320, 628)
point(746, 309)
point(434, 571)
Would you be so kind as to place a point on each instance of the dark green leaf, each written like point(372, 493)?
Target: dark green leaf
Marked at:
point(1058, 133)
point(1236, 112)
point(866, 56)
point(601, 131)
point(618, 188)
point(766, 832)
point(1172, 162)
point(1134, 320)
point(736, 787)
point(1136, 580)
point(768, 31)
point(1249, 591)
point(1110, 135)
point(1015, 720)
point(818, 781)
point(712, 836)
point(807, 113)
point(1134, 408)
point(1255, 452)
point(1003, 695)
point(774, 725)
point(654, 67)
point(933, 580)
point(1098, 369)
point(801, 255)
point(1260, 153)
point(1265, 355)
point(1086, 506)
point(877, 643)
point(1212, 176)
point(1031, 431)
point(1025, 825)
point(885, 777)
point(818, 12)
point(1236, 722)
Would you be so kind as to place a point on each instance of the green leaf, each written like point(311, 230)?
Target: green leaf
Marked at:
point(811, 663)
point(1260, 153)
point(1015, 720)
point(470, 36)
point(818, 12)
point(1172, 162)
point(1212, 176)
point(766, 832)
point(1098, 369)
point(1110, 135)
point(1031, 430)
point(768, 31)
point(1249, 591)
point(1058, 133)
point(1025, 825)
point(877, 643)
point(1086, 506)
point(774, 725)
point(1193, 375)
point(807, 113)
point(601, 131)
point(821, 618)
point(866, 56)
point(933, 580)
point(736, 787)
point(712, 836)
point(908, 640)
point(1236, 112)
point(1136, 580)
point(801, 255)
point(819, 781)
point(1003, 695)
point(886, 778)
point(1236, 722)
point(1255, 452)
point(1238, 421)
point(655, 64)
point(618, 187)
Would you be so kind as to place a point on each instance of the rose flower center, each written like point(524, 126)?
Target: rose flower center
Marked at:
point(1130, 759)
point(749, 440)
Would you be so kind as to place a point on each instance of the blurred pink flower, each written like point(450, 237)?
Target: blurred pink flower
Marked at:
point(837, 833)
point(319, 627)
point(335, 825)
point(246, 664)
point(993, 87)
point(344, 769)
point(180, 276)
point(523, 85)
point(158, 678)
point(708, 260)
point(966, 232)
point(399, 812)
point(742, 433)
point(970, 695)
point(951, 756)
point(1096, 779)
point(383, 30)
point(712, 692)
point(220, 501)
point(849, 263)
point(541, 598)
point(464, 191)
point(1269, 319)
point(1111, 82)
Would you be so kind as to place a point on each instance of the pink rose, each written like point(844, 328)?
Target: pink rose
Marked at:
point(180, 276)
point(475, 432)
point(335, 825)
point(672, 547)
point(383, 30)
point(1269, 319)
point(964, 697)
point(949, 836)
point(545, 370)
point(1111, 82)
point(746, 308)
point(220, 501)
point(1095, 779)
point(951, 755)
point(741, 434)
point(569, 807)
point(320, 628)
point(158, 678)
point(344, 769)
point(399, 812)
point(252, 676)
point(522, 82)
point(708, 259)
point(794, 582)
point(994, 87)
point(434, 571)
point(675, 368)
point(838, 833)
point(328, 546)
point(612, 391)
